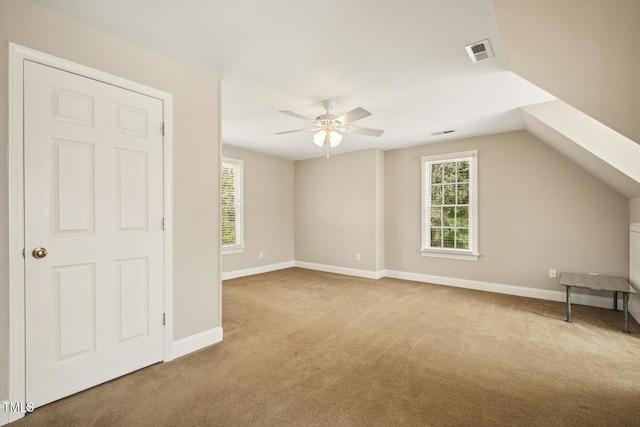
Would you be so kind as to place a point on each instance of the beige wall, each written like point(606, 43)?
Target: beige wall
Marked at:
point(537, 210)
point(336, 216)
point(268, 213)
point(634, 211)
point(195, 155)
point(583, 52)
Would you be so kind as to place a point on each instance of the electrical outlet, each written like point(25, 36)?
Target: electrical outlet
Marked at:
point(357, 257)
point(552, 273)
point(261, 255)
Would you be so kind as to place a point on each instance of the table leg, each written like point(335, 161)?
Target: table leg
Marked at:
point(625, 307)
point(615, 301)
point(569, 304)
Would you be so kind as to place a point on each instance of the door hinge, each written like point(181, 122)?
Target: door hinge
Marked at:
point(163, 128)
point(164, 319)
point(164, 224)
point(24, 253)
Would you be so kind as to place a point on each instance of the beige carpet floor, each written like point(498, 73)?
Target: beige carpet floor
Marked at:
point(309, 348)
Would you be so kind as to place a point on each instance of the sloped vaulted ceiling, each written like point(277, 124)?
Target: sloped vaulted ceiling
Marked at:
point(605, 153)
point(406, 64)
point(585, 52)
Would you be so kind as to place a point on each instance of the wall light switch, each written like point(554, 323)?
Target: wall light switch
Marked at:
point(261, 255)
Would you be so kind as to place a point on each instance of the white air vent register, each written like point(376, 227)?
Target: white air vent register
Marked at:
point(480, 51)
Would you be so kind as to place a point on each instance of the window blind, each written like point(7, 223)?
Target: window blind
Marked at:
point(231, 203)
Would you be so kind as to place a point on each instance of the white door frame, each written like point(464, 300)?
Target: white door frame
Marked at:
point(17, 314)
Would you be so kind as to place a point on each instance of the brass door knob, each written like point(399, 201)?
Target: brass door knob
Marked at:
point(39, 253)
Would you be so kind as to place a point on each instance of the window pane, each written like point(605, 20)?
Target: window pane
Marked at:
point(229, 237)
point(463, 194)
point(462, 238)
point(449, 172)
point(436, 238)
point(463, 171)
point(449, 216)
point(228, 213)
point(450, 194)
point(436, 217)
point(448, 204)
point(436, 173)
point(436, 194)
point(228, 186)
point(462, 217)
point(448, 238)
point(228, 225)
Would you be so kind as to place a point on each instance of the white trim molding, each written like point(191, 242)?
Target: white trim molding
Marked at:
point(450, 254)
point(427, 202)
point(521, 291)
point(499, 288)
point(17, 343)
point(230, 250)
point(341, 270)
point(196, 342)
point(257, 270)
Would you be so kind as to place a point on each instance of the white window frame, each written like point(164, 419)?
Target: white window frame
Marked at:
point(470, 254)
point(237, 247)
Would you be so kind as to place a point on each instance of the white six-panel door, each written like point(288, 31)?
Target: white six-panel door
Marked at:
point(94, 200)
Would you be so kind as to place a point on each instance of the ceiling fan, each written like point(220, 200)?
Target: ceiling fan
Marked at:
point(330, 126)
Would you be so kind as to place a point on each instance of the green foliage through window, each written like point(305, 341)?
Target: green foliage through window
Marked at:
point(229, 206)
point(449, 212)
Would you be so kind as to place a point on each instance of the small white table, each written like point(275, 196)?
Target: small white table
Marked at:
point(599, 283)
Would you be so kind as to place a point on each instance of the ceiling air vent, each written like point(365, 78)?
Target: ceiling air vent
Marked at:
point(480, 51)
point(442, 132)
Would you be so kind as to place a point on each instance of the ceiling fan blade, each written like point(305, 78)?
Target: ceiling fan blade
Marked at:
point(361, 131)
point(353, 115)
point(298, 116)
point(297, 130)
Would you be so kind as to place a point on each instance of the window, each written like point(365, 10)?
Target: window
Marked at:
point(232, 217)
point(449, 206)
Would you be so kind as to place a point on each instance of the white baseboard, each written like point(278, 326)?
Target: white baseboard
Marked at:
point(380, 274)
point(196, 342)
point(593, 300)
point(522, 291)
point(256, 270)
point(341, 270)
point(180, 348)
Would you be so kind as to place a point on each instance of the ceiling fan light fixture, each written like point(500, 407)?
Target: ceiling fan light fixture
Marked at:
point(319, 137)
point(335, 138)
point(328, 125)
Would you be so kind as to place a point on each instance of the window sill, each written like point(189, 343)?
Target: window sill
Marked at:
point(461, 255)
point(232, 250)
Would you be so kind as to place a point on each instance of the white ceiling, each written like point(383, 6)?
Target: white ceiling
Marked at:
point(404, 61)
